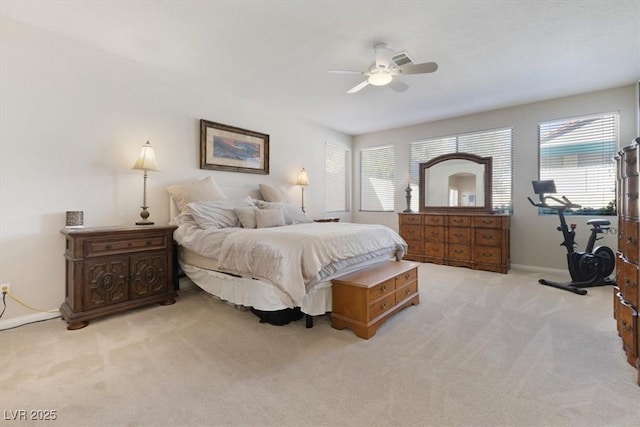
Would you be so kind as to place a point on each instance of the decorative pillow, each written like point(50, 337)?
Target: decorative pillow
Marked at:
point(269, 218)
point(292, 214)
point(247, 216)
point(197, 191)
point(272, 193)
point(216, 214)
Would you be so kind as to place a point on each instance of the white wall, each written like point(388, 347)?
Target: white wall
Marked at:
point(73, 120)
point(534, 239)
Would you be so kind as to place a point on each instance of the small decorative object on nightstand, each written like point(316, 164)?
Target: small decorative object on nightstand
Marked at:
point(74, 219)
point(112, 269)
point(146, 162)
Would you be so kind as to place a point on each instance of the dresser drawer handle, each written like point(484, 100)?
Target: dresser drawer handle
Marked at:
point(406, 276)
point(383, 288)
point(109, 246)
point(149, 243)
point(629, 284)
point(407, 292)
point(625, 327)
point(487, 236)
point(629, 239)
point(384, 305)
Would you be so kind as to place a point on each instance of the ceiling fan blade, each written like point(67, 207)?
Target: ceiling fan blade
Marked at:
point(398, 86)
point(345, 72)
point(426, 67)
point(358, 87)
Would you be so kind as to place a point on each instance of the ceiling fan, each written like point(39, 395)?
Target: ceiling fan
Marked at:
point(388, 65)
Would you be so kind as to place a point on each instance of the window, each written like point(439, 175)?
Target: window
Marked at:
point(578, 155)
point(376, 179)
point(495, 143)
point(336, 178)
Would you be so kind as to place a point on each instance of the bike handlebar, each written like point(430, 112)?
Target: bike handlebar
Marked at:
point(564, 203)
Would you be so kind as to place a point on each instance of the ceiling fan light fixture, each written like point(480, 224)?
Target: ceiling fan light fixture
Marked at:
point(380, 79)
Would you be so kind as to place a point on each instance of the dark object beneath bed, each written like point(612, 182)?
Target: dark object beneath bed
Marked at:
point(278, 317)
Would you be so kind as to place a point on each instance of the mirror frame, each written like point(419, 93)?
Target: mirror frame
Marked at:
point(486, 161)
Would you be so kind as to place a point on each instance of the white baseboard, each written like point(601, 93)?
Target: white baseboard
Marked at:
point(30, 318)
point(536, 269)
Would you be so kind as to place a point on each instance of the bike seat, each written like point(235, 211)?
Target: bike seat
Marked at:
point(598, 222)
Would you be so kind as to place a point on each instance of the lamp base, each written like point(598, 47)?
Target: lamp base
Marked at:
point(145, 223)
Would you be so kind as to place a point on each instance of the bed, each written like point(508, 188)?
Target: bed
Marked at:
point(267, 255)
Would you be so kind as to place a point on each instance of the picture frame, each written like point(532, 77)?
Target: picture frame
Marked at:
point(232, 149)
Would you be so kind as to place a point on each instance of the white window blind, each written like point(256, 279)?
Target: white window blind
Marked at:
point(336, 178)
point(495, 143)
point(577, 154)
point(377, 167)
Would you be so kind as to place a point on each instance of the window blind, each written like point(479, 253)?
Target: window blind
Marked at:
point(377, 167)
point(336, 166)
point(577, 154)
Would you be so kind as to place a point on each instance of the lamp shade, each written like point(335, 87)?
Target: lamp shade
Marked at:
point(146, 159)
point(303, 178)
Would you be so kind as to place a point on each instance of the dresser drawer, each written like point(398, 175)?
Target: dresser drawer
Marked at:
point(627, 326)
point(459, 221)
point(380, 290)
point(406, 278)
point(630, 245)
point(379, 307)
point(411, 219)
point(406, 291)
point(434, 220)
point(460, 252)
point(630, 159)
point(412, 232)
point(629, 282)
point(105, 246)
point(416, 247)
point(435, 250)
point(459, 236)
point(487, 255)
point(487, 222)
point(630, 196)
point(488, 237)
point(434, 234)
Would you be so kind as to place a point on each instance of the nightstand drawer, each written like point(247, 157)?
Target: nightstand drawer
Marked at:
point(109, 247)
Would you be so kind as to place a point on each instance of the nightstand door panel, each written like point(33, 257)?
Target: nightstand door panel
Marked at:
point(148, 274)
point(107, 282)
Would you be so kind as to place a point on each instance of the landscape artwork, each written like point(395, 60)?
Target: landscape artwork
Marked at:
point(229, 148)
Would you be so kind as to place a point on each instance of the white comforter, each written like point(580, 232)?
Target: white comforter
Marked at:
point(293, 256)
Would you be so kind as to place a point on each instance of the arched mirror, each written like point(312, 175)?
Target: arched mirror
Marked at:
point(455, 182)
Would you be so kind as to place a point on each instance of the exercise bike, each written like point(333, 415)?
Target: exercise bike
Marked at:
point(589, 268)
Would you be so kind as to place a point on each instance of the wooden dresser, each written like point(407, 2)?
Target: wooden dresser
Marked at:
point(478, 241)
point(365, 299)
point(626, 300)
point(112, 269)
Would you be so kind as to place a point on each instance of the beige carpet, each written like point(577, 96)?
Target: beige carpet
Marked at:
point(481, 349)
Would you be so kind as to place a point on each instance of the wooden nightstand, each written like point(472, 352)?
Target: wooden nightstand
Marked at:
point(113, 269)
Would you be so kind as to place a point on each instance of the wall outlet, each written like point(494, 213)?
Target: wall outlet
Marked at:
point(5, 287)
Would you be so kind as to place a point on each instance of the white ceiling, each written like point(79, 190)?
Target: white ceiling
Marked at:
point(491, 54)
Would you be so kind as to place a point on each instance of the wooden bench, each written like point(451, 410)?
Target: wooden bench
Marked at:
point(365, 299)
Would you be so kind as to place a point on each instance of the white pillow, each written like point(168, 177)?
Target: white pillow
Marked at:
point(274, 194)
point(247, 216)
point(205, 189)
point(216, 214)
point(269, 218)
point(292, 214)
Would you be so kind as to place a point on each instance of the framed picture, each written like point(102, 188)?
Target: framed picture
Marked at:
point(233, 149)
